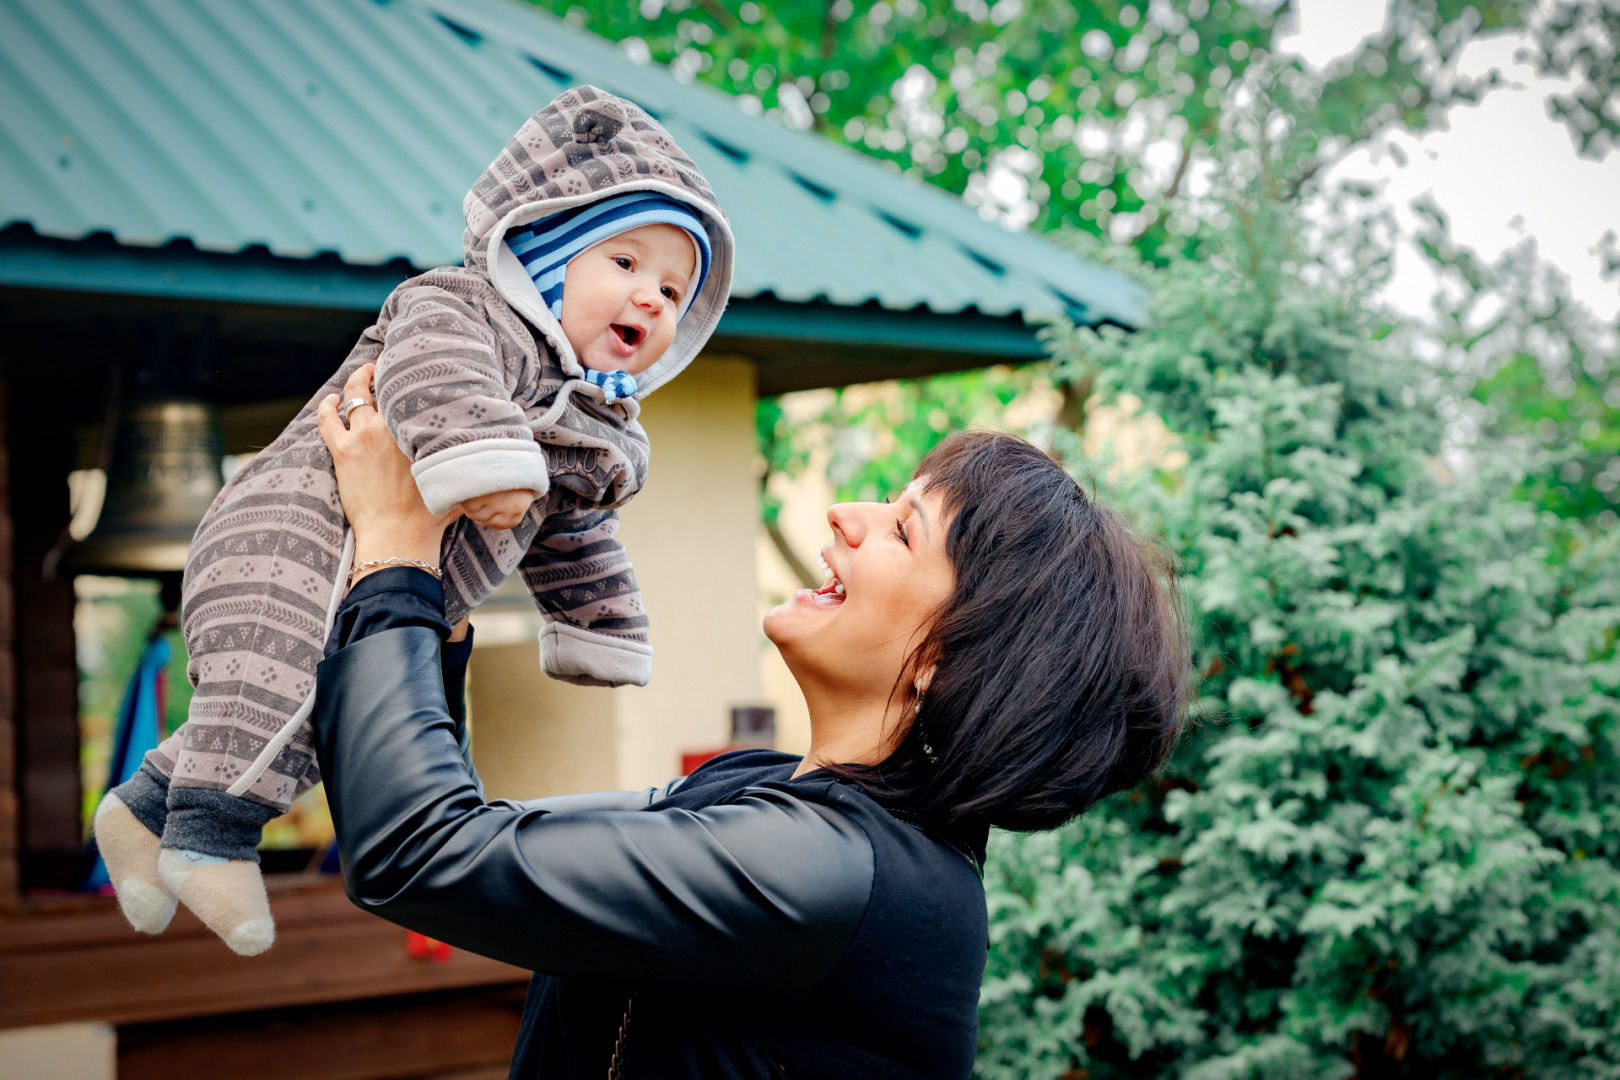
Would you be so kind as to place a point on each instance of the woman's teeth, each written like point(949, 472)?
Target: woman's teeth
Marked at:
point(828, 575)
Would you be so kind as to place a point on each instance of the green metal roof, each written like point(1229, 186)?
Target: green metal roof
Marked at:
point(299, 129)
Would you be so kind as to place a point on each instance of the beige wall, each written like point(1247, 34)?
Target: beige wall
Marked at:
point(691, 536)
point(536, 736)
point(85, 1051)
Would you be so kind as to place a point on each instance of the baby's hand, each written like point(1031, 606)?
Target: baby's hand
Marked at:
point(501, 510)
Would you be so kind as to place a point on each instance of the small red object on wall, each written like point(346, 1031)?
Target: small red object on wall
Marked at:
point(690, 762)
point(422, 947)
point(751, 726)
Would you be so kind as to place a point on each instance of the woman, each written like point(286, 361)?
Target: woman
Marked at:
point(992, 648)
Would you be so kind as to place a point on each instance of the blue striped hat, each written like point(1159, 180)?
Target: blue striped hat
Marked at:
point(546, 247)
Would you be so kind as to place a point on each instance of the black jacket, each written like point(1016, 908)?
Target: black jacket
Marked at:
point(767, 926)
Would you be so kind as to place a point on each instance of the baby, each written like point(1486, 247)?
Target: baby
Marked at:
point(597, 265)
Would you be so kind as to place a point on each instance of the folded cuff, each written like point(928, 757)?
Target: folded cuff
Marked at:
point(480, 468)
point(147, 796)
point(214, 823)
point(574, 654)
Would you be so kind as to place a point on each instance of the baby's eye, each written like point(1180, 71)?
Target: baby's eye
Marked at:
point(624, 262)
point(671, 294)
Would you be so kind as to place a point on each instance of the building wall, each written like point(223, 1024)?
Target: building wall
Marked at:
point(534, 736)
point(691, 536)
point(78, 1051)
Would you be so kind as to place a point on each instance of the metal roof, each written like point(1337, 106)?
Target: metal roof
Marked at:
point(354, 127)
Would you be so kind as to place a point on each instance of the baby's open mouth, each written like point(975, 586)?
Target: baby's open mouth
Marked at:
point(630, 335)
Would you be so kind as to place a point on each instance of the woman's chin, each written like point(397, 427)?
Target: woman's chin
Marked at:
point(805, 608)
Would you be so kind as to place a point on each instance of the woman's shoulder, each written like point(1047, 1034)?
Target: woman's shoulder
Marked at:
point(900, 837)
point(895, 834)
point(897, 837)
point(736, 769)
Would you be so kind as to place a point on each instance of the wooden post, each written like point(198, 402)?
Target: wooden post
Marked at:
point(39, 438)
point(10, 878)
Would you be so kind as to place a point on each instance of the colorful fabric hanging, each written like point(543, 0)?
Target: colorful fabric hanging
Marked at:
point(140, 728)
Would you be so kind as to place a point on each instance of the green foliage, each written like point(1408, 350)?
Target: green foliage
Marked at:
point(784, 451)
point(1074, 99)
point(879, 438)
point(1571, 414)
point(1390, 846)
point(1581, 38)
point(1549, 376)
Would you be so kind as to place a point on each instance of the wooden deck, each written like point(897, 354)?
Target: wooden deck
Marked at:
point(337, 998)
point(77, 959)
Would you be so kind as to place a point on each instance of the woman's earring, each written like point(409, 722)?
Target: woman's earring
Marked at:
point(916, 720)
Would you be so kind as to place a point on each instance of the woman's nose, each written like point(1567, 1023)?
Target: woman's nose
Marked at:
point(848, 522)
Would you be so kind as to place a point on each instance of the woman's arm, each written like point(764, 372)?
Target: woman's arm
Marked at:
point(763, 893)
point(398, 597)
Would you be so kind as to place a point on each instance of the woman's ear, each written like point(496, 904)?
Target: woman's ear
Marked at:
point(925, 679)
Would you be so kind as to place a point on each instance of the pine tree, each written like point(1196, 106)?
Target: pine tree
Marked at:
point(1389, 845)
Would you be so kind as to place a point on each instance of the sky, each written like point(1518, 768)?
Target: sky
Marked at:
point(1503, 170)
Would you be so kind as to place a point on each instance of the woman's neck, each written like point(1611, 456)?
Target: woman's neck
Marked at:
point(847, 728)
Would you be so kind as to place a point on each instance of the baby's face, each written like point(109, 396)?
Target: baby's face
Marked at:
point(622, 297)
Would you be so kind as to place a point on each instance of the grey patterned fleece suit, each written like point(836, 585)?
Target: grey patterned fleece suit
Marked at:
point(481, 388)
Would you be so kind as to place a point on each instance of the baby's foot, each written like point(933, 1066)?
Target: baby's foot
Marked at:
point(131, 851)
point(226, 894)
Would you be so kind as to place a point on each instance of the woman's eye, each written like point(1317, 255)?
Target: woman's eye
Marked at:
point(900, 531)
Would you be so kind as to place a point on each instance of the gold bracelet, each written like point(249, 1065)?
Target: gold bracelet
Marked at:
point(397, 561)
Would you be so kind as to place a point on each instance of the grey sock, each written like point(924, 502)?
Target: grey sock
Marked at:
point(214, 823)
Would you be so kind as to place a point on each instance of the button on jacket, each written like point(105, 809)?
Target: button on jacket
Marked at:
point(767, 926)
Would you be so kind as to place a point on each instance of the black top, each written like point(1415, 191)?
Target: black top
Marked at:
point(767, 926)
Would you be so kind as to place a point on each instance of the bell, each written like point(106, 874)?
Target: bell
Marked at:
point(163, 475)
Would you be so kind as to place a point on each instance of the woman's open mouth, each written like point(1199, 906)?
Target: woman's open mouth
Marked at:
point(831, 594)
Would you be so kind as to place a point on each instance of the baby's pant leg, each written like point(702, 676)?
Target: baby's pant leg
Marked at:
point(221, 746)
point(254, 625)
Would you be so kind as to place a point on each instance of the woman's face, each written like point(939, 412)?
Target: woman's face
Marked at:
point(890, 560)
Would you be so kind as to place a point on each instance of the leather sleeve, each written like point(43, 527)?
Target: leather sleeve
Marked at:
point(405, 596)
point(763, 893)
point(597, 800)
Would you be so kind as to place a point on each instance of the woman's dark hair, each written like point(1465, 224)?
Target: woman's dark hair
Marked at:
point(1061, 662)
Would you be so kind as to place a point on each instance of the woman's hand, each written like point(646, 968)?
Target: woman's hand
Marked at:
point(374, 481)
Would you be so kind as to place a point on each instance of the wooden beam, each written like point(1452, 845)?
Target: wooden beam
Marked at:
point(455, 1034)
point(77, 959)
